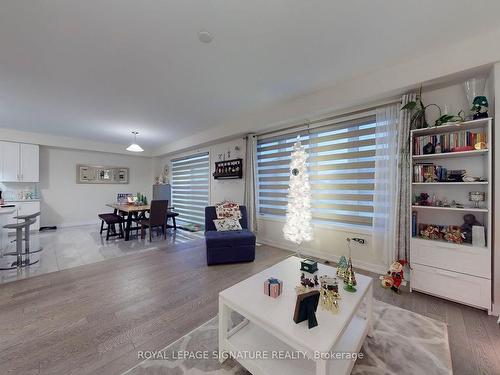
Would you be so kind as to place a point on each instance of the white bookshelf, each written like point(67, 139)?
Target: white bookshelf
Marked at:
point(458, 272)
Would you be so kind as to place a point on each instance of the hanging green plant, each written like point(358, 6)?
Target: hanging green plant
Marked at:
point(418, 118)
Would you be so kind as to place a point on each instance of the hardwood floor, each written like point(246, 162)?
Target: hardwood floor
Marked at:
point(94, 318)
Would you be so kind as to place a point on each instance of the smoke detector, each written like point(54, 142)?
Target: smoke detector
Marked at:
point(205, 37)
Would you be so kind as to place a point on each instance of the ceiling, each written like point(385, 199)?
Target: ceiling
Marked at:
point(99, 69)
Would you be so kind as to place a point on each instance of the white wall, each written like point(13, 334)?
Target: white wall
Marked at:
point(391, 81)
point(66, 203)
point(219, 189)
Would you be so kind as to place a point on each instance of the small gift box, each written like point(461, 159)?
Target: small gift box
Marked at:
point(273, 287)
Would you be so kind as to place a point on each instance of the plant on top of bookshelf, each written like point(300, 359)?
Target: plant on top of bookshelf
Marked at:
point(418, 119)
point(447, 118)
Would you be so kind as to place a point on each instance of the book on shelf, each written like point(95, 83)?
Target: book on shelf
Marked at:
point(448, 141)
point(423, 171)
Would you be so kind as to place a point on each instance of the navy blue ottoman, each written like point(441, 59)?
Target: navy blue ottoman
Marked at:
point(228, 247)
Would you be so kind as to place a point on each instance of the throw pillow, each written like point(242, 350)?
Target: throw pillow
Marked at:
point(226, 210)
point(225, 225)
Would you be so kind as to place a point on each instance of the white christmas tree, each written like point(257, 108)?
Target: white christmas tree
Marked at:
point(298, 212)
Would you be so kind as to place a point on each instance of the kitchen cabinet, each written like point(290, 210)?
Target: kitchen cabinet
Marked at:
point(20, 162)
point(30, 163)
point(10, 161)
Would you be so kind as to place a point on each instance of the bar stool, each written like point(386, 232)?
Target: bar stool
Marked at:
point(20, 262)
point(30, 217)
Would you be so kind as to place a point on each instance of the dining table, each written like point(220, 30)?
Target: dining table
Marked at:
point(130, 212)
point(134, 212)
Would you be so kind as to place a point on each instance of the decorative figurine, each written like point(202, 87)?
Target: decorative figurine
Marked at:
point(306, 282)
point(430, 177)
point(479, 107)
point(341, 266)
point(329, 283)
point(466, 228)
point(476, 197)
point(349, 278)
point(454, 234)
point(330, 300)
point(395, 276)
point(431, 232)
point(429, 149)
point(422, 199)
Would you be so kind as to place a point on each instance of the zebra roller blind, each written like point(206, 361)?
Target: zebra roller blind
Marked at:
point(190, 181)
point(341, 168)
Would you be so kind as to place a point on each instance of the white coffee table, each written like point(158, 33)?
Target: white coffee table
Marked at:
point(269, 329)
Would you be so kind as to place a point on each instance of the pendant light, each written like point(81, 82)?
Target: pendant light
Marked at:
point(134, 147)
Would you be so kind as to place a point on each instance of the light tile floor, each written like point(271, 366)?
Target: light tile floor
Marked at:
point(76, 246)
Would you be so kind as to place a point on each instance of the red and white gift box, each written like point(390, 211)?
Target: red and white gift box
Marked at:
point(273, 287)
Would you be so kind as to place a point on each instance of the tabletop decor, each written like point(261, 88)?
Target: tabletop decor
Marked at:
point(308, 265)
point(330, 296)
point(330, 300)
point(341, 267)
point(349, 276)
point(305, 308)
point(273, 287)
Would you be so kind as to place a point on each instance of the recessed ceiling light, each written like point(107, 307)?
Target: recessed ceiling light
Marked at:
point(134, 147)
point(205, 36)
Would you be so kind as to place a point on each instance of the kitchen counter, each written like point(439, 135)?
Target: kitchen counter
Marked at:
point(5, 215)
point(7, 210)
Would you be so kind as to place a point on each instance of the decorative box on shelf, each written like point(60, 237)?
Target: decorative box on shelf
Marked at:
point(228, 169)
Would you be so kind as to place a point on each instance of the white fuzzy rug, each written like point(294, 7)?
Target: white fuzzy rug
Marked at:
point(403, 343)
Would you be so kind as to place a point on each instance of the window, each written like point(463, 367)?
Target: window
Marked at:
point(341, 168)
point(190, 180)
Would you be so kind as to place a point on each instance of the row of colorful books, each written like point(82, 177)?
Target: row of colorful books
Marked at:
point(447, 142)
point(427, 172)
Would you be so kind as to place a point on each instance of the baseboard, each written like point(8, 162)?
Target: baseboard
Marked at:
point(78, 224)
point(376, 268)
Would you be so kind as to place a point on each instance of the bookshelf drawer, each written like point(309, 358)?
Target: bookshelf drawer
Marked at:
point(470, 260)
point(455, 286)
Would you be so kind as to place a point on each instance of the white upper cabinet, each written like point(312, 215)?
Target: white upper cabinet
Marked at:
point(11, 162)
point(20, 162)
point(30, 170)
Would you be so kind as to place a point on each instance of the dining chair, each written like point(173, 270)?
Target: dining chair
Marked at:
point(156, 219)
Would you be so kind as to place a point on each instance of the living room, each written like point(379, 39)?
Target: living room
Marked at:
point(317, 200)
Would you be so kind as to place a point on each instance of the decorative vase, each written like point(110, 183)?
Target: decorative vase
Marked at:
point(473, 88)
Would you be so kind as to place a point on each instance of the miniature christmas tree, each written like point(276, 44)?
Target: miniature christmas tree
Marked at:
point(298, 213)
point(349, 278)
point(341, 266)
